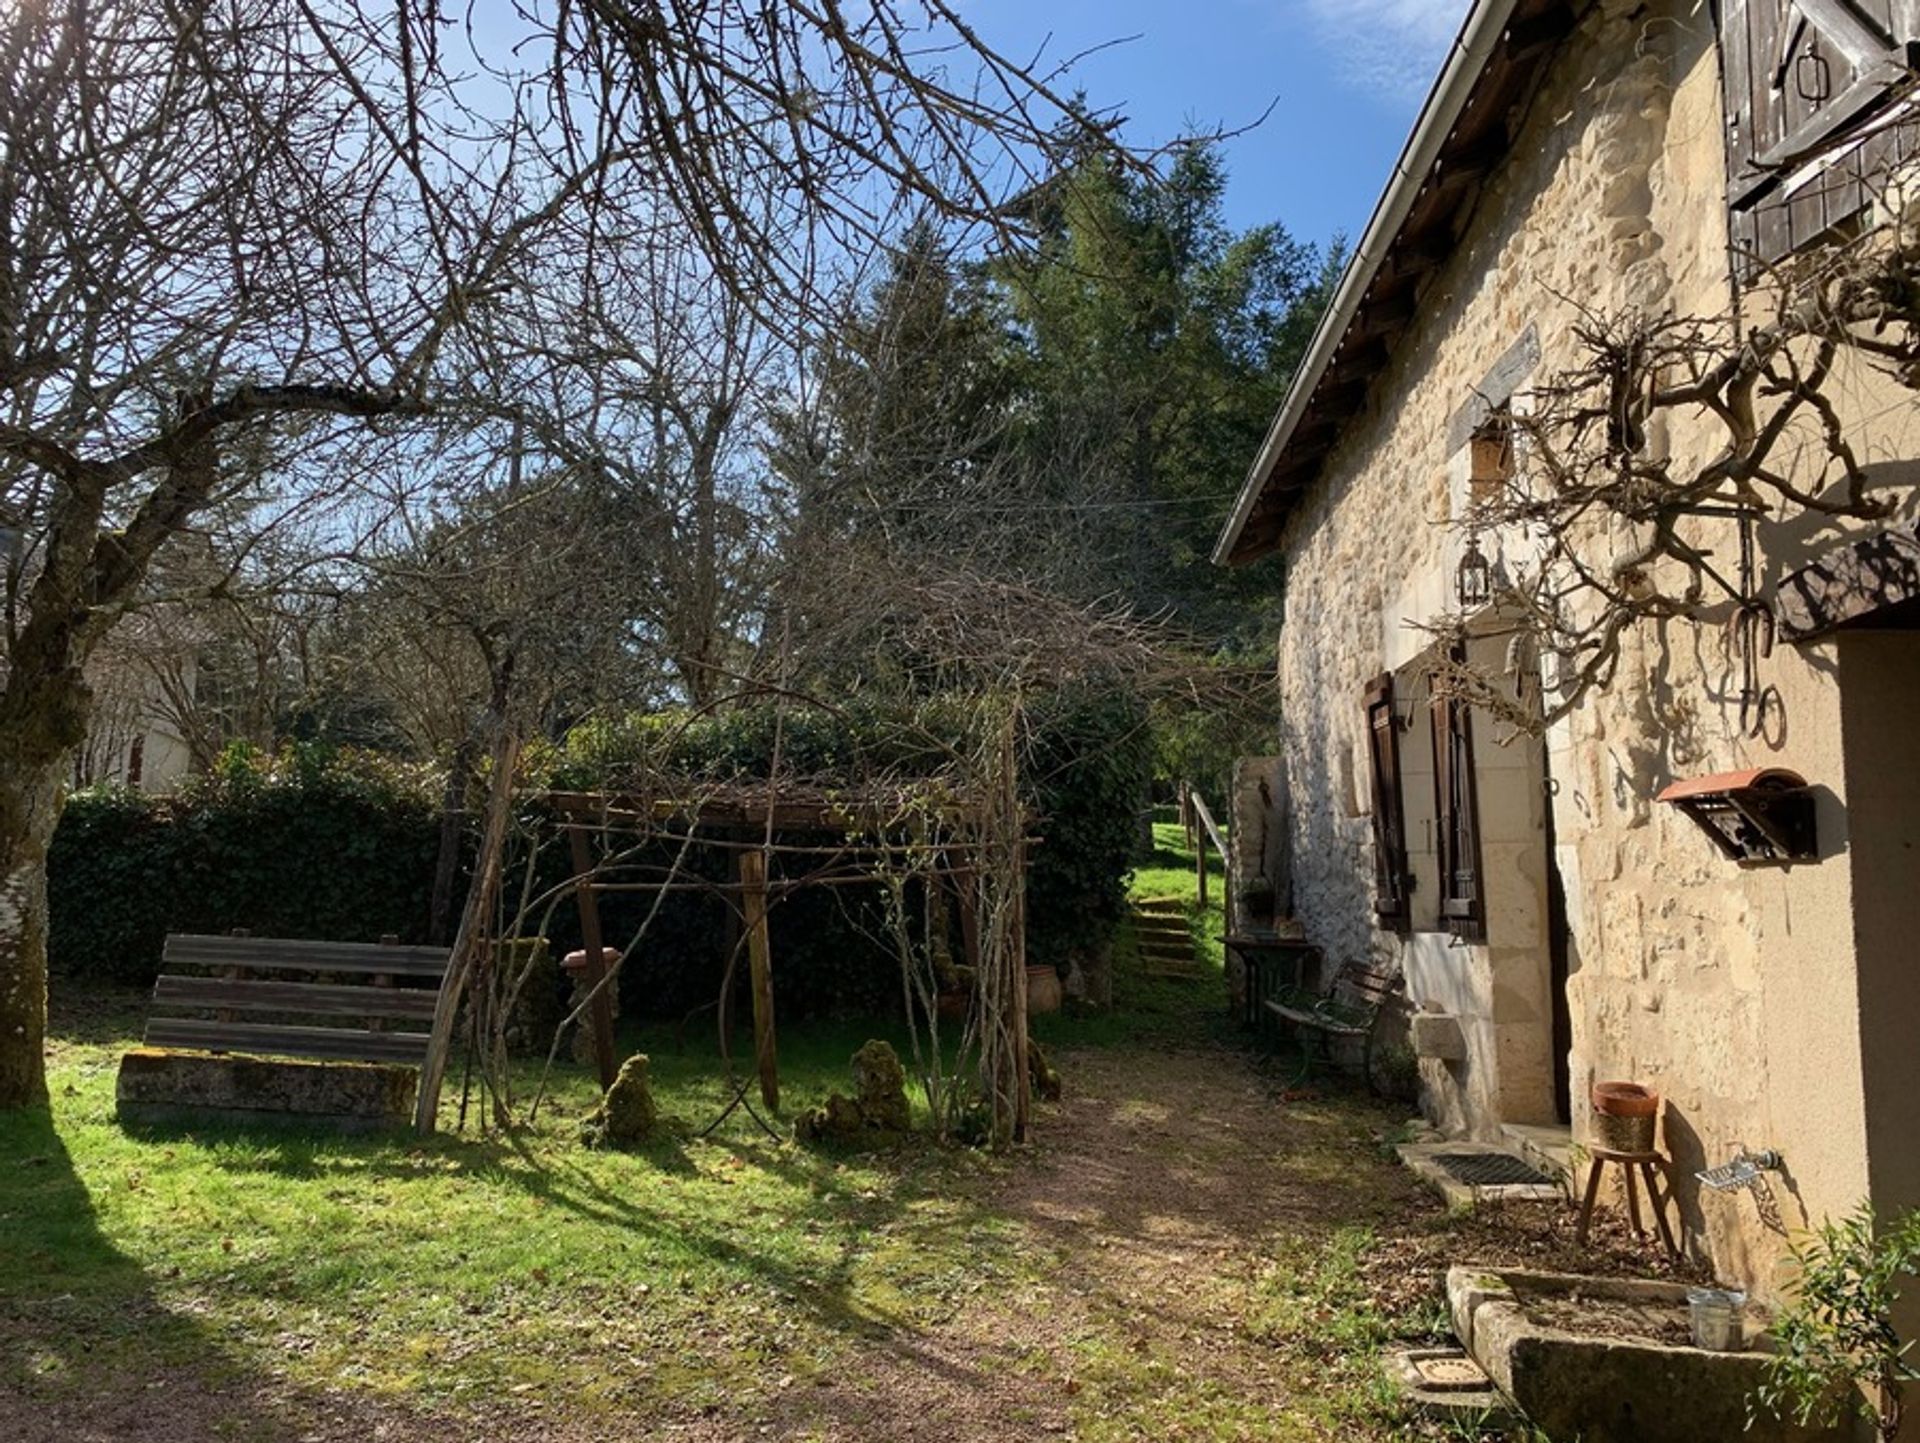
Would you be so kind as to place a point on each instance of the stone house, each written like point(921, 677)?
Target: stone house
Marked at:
point(1574, 160)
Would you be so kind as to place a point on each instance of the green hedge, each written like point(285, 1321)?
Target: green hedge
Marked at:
point(343, 846)
point(306, 844)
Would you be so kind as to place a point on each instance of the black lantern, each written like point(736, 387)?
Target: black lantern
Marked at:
point(1473, 582)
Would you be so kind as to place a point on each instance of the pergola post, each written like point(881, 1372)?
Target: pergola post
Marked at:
point(1022, 1077)
point(753, 909)
point(600, 1009)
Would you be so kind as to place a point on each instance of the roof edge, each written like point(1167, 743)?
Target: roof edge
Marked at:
point(1479, 36)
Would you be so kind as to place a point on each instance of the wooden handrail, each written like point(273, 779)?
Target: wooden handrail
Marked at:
point(1206, 820)
point(1210, 832)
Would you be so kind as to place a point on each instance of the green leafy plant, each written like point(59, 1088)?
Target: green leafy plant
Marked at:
point(1836, 1347)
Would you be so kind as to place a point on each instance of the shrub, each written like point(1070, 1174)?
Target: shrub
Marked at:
point(1835, 1346)
point(342, 845)
point(307, 843)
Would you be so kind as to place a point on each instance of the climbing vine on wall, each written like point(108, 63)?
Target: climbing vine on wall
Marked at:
point(1610, 516)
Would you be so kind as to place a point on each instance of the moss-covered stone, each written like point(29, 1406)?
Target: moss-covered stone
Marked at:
point(1042, 1076)
point(880, 1087)
point(627, 1115)
point(878, 1111)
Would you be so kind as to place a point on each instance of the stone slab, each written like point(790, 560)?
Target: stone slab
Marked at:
point(1422, 1159)
point(165, 1087)
point(1476, 1410)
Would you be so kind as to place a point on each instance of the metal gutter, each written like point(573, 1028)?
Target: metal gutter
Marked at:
point(1479, 36)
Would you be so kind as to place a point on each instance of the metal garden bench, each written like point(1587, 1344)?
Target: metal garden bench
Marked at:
point(1346, 1010)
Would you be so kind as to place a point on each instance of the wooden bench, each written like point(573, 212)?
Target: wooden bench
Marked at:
point(353, 1017)
point(232, 1014)
point(1347, 1009)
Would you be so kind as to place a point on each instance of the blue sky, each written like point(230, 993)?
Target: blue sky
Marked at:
point(1345, 78)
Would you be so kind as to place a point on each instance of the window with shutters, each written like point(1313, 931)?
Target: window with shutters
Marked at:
point(1813, 92)
point(1456, 810)
point(1391, 898)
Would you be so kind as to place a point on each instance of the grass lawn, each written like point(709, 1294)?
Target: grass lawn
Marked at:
point(1184, 1252)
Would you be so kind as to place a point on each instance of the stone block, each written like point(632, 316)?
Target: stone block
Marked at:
point(158, 1086)
point(1437, 1034)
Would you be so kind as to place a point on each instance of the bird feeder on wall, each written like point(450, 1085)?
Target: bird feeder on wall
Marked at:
point(1756, 817)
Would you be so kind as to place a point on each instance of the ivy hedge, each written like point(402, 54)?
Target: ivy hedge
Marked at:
point(308, 843)
point(335, 844)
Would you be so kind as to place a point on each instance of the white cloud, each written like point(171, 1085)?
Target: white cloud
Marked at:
point(1393, 48)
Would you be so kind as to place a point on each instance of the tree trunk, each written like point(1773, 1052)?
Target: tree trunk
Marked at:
point(39, 727)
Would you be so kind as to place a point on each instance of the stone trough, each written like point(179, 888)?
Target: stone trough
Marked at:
point(1609, 1360)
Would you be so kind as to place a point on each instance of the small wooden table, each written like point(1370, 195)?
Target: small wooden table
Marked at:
point(1648, 1164)
point(1274, 961)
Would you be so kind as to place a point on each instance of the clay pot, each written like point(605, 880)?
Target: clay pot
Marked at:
point(952, 1006)
point(1623, 1116)
point(1043, 990)
point(575, 963)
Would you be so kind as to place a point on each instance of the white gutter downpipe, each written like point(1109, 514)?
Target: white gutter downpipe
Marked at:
point(1479, 35)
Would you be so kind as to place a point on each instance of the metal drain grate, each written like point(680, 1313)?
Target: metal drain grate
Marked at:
point(1490, 1169)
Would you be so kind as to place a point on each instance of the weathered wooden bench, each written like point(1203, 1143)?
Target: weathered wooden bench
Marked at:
point(1347, 1010)
point(231, 1015)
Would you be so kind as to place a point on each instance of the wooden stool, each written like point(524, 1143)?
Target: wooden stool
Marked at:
point(1646, 1162)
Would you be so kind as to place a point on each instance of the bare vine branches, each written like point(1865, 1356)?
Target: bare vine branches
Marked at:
point(1613, 511)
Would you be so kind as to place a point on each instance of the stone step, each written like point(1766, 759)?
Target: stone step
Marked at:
point(1162, 906)
point(1178, 935)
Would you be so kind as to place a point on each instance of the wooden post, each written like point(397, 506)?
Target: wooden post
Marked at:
point(1200, 865)
point(600, 1010)
point(481, 896)
point(1022, 1078)
point(731, 932)
point(753, 900)
point(964, 888)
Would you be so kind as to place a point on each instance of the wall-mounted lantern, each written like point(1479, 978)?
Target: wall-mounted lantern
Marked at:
point(1759, 816)
point(1473, 580)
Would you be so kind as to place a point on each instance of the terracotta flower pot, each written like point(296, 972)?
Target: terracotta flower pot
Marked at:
point(1624, 1116)
point(575, 963)
point(1625, 1099)
point(1043, 990)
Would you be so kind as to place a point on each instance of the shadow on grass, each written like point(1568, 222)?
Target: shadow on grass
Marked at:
point(83, 1338)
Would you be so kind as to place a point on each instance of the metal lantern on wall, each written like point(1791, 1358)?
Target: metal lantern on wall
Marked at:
point(1473, 580)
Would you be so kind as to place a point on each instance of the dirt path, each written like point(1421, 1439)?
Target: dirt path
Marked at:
point(1153, 1204)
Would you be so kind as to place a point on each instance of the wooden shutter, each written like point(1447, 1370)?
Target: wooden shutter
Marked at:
point(1456, 805)
point(1392, 883)
point(1800, 77)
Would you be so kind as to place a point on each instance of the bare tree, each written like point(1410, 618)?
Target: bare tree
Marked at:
point(242, 242)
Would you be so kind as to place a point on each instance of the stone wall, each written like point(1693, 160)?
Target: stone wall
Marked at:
point(1735, 992)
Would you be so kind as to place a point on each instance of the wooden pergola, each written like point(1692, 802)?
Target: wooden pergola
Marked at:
point(755, 822)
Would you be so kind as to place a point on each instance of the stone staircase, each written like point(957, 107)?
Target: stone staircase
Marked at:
point(1166, 939)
